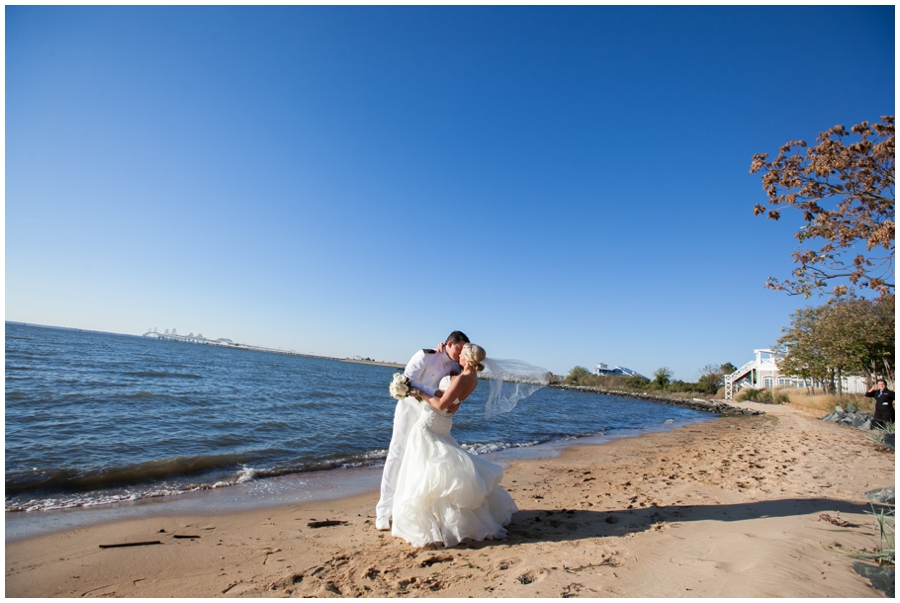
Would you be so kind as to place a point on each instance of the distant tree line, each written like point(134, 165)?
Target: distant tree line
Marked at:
point(712, 377)
point(847, 336)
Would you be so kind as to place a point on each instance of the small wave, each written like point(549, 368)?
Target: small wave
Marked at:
point(112, 496)
point(61, 479)
point(489, 447)
point(16, 504)
point(320, 465)
point(246, 474)
point(86, 500)
point(13, 355)
point(67, 488)
point(164, 374)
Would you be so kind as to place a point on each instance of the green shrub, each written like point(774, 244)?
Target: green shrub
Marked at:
point(748, 394)
point(662, 377)
point(577, 375)
point(781, 398)
point(636, 382)
point(679, 386)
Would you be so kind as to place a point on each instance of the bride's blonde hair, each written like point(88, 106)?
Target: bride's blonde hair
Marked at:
point(474, 354)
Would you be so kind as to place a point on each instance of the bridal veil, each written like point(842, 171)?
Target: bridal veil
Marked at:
point(511, 381)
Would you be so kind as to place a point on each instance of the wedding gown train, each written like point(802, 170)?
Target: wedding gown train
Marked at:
point(444, 494)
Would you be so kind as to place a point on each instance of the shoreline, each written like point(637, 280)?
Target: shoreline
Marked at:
point(372, 362)
point(306, 486)
point(731, 507)
point(701, 404)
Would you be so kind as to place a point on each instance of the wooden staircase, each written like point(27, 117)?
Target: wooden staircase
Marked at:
point(736, 376)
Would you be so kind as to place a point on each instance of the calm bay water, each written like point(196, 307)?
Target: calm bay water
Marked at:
point(97, 418)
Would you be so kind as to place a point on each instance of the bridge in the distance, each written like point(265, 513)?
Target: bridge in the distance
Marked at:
point(222, 342)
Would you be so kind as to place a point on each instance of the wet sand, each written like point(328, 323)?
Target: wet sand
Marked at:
point(725, 508)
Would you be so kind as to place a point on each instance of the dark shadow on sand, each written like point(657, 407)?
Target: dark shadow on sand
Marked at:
point(529, 525)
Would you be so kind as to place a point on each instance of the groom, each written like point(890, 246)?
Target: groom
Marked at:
point(425, 371)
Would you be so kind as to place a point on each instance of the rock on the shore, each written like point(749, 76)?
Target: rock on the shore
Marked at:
point(881, 578)
point(715, 406)
point(881, 495)
point(851, 417)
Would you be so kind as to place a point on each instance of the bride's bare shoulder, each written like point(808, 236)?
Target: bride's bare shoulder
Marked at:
point(467, 384)
point(467, 378)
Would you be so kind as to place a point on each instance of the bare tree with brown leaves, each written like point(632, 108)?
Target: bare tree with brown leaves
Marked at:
point(846, 194)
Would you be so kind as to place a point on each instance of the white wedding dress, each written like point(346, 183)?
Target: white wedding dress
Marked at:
point(444, 494)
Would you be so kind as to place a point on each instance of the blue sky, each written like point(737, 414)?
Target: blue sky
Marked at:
point(566, 185)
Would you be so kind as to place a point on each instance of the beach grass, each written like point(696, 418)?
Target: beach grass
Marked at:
point(801, 397)
point(827, 402)
point(878, 433)
point(884, 528)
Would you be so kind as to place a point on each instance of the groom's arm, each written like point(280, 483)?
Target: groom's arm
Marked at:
point(415, 368)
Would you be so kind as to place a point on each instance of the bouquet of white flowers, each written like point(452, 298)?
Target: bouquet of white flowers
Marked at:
point(401, 387)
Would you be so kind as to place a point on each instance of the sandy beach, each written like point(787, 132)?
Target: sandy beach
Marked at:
point(735, 507)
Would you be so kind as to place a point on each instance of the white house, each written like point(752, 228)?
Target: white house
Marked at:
point(763, 372)
point(603, 369)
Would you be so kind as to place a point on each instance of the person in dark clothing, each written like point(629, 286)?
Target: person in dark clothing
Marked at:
point(884, 404)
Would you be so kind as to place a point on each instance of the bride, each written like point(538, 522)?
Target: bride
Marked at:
point(444, 494)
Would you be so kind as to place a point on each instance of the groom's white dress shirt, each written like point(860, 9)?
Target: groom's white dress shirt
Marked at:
point(425, 371)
